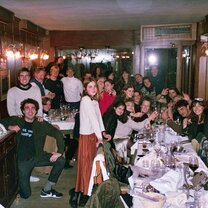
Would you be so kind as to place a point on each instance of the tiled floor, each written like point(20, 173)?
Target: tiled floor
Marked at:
point(65, 183)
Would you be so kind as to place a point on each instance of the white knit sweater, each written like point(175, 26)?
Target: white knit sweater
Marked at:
point(16, 95)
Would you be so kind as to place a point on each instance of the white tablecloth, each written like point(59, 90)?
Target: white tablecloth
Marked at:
point(183, 157)
point(65, 125)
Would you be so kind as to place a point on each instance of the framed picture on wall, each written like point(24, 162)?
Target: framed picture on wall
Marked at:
point(4, 83)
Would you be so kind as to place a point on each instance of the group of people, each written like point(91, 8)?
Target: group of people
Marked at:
point(109, 111)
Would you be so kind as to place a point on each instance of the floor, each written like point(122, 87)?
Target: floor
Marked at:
point(65, 183)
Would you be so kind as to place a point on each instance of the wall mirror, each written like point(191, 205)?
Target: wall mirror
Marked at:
point(107, 58)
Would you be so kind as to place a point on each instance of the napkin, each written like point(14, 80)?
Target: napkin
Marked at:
point(169, 182)
point(175, 199)
point(204, 200)
point(171, 137)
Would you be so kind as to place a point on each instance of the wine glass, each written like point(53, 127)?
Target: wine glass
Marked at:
point(144, 147)
point(155, 166)
point(193, 163)
point(157, 148)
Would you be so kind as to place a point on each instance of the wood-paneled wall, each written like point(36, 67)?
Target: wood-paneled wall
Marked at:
point(93, 39)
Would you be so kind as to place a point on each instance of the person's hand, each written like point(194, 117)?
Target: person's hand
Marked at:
point(40, 119)
point(107, 136)
point(51, 95)
point(185, 123)
point(170, 104)
point(164, 92)
point(153, 116)
point(186, 97)
point(99, 142)
point(55, 156)
point(113, 93)
point(15, 128)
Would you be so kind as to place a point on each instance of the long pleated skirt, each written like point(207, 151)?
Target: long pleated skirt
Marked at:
point(86, 153)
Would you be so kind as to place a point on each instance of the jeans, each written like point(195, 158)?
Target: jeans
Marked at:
point(25, 169)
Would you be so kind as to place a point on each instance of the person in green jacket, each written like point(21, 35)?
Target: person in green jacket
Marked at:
point(31, 135)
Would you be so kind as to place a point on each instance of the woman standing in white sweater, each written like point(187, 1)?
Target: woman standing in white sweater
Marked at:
point(91, 135)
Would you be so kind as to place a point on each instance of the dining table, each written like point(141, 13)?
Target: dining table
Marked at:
point(163, 179)
point(65, 125)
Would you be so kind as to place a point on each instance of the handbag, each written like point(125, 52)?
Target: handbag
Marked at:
point(116, 169)
point(122, 173)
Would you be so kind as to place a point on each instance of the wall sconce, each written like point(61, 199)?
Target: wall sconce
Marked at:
point(33, 56)
point(13, 51)
point(44, 55)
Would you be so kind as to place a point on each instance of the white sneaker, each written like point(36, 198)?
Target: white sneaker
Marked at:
point(34, 179)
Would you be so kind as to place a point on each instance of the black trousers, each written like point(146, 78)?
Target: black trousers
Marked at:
point(25, 169)
point(71, 147)
point(75, 105)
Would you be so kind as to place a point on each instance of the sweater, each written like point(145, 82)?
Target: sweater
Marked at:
point(40, 131)
point(17, 94)
point(123, 130)
point(105, 101)
point(73, 89)
point(90, 118)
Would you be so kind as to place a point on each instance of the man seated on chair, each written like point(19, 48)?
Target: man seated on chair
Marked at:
point(31, 135)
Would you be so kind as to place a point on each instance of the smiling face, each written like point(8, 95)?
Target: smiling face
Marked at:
point(130, 106)
point(119, 110)
point(40, 76)
point(183, 111)
point(100, 83)
point(145, 106)
point(91, 89)
point(24, 78)
point(29, 112)
point(70, 72)
point(147, 83)
point(138, 78)
point(129, 93)
point(172, 93)
point(108, 87)
point(54, 72)
point(47, 106)
point(198, 109)
point(137, 97)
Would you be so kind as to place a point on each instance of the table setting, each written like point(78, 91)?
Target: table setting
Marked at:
point(63, 117)
point(169, 174)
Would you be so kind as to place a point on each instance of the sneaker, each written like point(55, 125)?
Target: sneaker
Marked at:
point(34, 179)
point(50, 194)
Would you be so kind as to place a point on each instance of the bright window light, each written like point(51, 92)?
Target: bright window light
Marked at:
point(152, 59)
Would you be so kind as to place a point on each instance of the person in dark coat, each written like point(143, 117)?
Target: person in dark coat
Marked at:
point(115, 112)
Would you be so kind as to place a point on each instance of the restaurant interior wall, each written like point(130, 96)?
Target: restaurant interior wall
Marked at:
point(201, 72)
point(17, 43)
